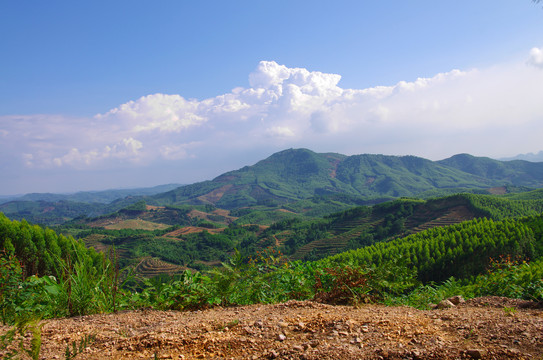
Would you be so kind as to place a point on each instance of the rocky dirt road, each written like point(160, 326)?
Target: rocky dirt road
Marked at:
point(487, 328)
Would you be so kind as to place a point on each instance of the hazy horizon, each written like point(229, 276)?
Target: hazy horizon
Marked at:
point(101, 95)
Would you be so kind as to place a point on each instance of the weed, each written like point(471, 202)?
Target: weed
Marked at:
point(76, 349)
point(509, 311)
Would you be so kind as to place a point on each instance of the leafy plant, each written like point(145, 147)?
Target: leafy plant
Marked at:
point(509, 311)
point(342, 285)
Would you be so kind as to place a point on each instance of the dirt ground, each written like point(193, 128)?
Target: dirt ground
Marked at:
point(486, 328)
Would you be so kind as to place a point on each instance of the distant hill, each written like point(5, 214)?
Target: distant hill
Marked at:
point(296, 174)
point(53, 209)
point(89, 197)
point(528, 157)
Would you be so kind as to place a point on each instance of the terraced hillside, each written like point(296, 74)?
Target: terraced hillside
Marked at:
point(387, 221)
point(150, 267)
point(454, 215)
point(344, 232)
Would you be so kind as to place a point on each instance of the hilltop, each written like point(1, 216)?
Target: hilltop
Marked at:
point(296, 174)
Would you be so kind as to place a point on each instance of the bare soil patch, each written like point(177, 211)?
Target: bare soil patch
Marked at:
point(191, 230)
point(286, 211)
point(136, 224)
point(215, 195)
point(306, 330)
point(152, 207)
point(500, 190)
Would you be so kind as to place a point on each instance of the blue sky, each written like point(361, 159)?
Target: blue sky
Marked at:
point(110, 94)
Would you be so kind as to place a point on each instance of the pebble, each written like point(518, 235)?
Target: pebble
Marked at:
point(445, 304)
point(475, 353)
point(455, 300)
point(281, 337)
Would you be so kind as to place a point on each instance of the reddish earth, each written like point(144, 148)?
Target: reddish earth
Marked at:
point(486, 328)
point(215, 195)
point(498, 190)
point(335, 163)
point(151, 207)
point(191, 230)
point(222, 212)
point(286, 211)
point(203, 215)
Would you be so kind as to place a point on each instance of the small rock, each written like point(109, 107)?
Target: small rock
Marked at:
point(281, 337)
point(282, 324)
point(298, 348)
point(445, 304)
point(259, 324)
point(475, 353)
point(458, 299)
point(356, 340)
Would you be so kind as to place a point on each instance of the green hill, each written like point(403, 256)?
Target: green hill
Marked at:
point(516, 172)
point(296, 174)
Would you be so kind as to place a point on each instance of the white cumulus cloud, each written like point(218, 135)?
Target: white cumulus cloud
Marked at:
point(536, 57)
point(493, 112)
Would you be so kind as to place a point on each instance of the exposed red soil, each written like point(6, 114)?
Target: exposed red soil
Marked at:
point(286, 211)
point(215, 195)
point(335, 163)
point(151, 207)
point(498, 190)
point(222, 212)
point(191, 230)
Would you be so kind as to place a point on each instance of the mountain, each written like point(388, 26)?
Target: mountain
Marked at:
point(54, 209)
point(296, 174)
point(515, 172)
point(89, 197)
point(528, 157)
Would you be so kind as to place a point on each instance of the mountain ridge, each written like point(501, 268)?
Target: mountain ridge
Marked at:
point(295, 174)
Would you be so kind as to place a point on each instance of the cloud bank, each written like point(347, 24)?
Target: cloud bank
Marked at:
point(491, 112)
